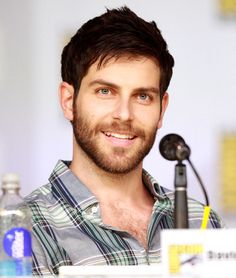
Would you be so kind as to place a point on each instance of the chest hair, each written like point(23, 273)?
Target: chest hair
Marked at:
point(131, 220)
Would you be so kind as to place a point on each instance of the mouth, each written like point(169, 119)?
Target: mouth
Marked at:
point(120, 136)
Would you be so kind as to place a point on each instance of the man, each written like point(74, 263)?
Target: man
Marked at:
point(103, 208)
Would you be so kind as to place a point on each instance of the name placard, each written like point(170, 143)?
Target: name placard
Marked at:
point(205, 253)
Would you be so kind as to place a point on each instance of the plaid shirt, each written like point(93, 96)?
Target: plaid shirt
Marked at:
point(68, 229)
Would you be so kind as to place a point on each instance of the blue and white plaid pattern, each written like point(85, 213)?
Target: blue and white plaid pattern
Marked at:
point(68, 229)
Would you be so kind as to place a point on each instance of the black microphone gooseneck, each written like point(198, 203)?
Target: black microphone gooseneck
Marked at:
point(173, 147)
point(181, 198)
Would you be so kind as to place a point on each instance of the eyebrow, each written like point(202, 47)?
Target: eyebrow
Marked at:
point(103, 82)
point(110, 84)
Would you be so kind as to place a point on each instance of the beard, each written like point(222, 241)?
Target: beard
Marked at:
point(111, 159)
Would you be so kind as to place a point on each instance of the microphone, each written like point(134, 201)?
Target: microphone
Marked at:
point(173, 147)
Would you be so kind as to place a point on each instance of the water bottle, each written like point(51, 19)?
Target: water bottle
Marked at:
point(15, 230)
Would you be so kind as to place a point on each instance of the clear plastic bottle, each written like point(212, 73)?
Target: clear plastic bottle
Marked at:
point(15, 230)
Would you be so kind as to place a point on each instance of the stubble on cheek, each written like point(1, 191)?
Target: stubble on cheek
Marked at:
point(112, 159)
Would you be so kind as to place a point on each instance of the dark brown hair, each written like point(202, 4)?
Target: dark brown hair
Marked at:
point(116, 33)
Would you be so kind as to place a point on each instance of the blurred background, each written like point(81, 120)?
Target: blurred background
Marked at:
point(201, 36)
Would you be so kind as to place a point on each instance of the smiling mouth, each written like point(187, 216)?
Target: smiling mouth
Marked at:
point(119, 135)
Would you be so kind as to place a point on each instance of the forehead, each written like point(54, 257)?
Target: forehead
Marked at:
point(141, 70)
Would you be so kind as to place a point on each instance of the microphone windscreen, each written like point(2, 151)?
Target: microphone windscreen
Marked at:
point(173, 147)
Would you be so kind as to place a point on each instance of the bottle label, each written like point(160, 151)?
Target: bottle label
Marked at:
point(17, 243)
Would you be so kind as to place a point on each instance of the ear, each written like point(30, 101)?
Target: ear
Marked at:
point(164, 104)
point(66, 96)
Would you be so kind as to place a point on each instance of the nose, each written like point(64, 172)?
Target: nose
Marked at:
point(123, 110)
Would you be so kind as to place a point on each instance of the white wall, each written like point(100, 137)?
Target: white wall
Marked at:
point(34, 134)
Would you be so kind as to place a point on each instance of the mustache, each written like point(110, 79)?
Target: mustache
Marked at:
point(118, 127)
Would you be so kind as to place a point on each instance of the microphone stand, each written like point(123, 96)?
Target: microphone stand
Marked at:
point(181, 202)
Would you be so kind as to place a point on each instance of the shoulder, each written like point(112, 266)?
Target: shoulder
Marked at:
point(40, 202)
point(195, 210)
point(196, 214)
point(42, 194)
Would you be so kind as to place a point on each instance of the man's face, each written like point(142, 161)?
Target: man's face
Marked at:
point(117, 113)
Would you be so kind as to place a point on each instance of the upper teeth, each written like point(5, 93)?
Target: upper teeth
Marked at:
point(120, 136)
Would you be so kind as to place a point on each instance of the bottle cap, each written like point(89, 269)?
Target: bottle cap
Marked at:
point(10, 181)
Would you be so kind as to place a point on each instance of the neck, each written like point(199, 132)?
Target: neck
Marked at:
point(108, 186)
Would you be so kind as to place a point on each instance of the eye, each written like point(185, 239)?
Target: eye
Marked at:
point(104, 91)
point(144, 97)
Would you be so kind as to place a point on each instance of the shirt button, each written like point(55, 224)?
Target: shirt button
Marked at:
point(94, 209)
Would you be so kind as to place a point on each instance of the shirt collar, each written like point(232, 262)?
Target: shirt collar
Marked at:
point(69, 187)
